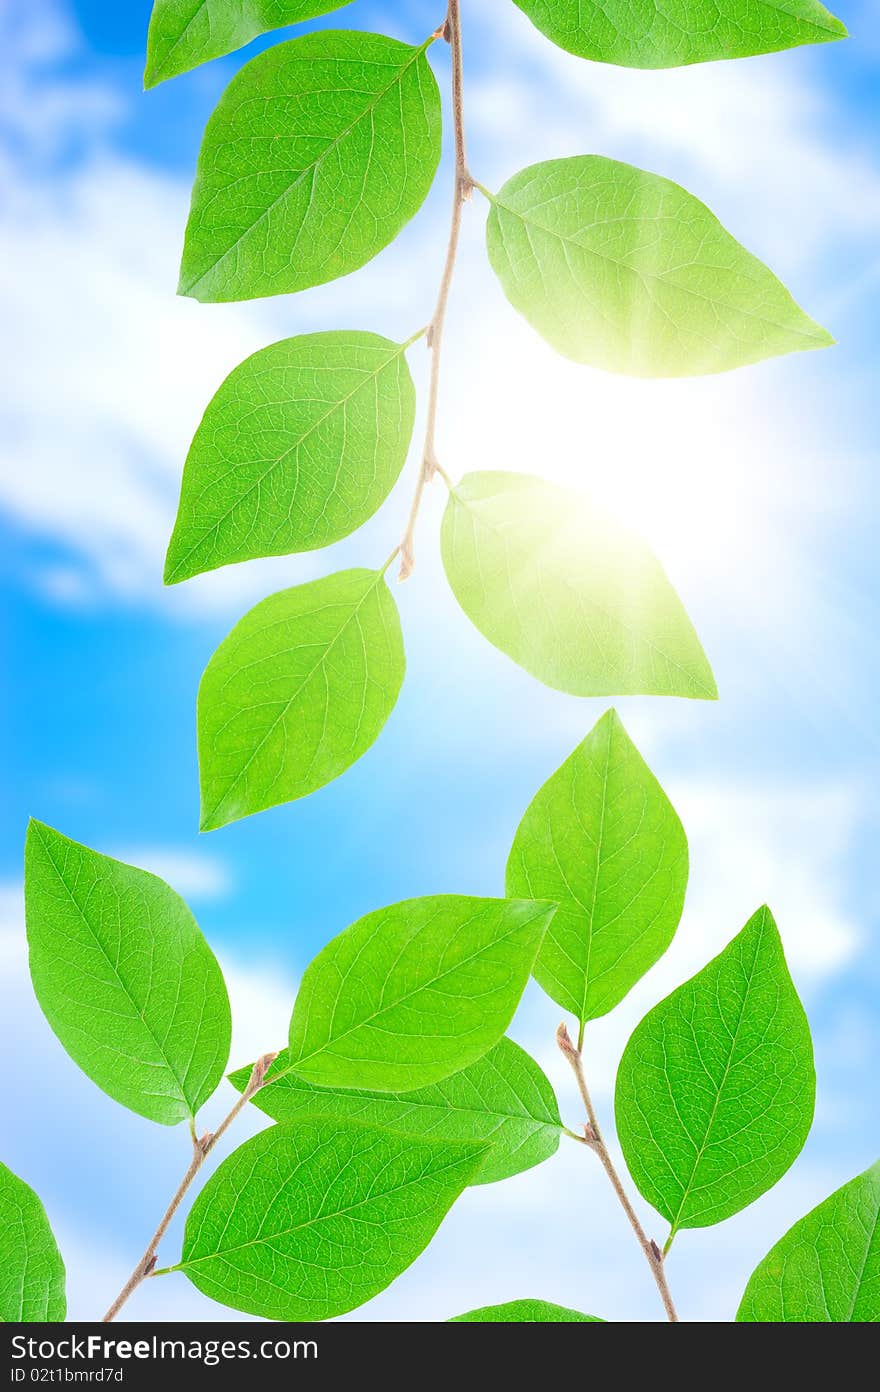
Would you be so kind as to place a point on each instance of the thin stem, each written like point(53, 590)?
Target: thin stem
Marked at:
point(462, 189)
point(593, 1138)
point(202, 1147)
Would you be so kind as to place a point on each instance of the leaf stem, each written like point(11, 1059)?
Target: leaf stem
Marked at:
point(462, 189)
point(593, 1138)
point(202, 1147)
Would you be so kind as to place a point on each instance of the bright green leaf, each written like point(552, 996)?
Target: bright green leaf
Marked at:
point(307, 1221)
point(626, 271)
point(125, 978)
point(318, 153)
point(825, 1268)
point(296, 694)
point(31, 1269)
point(185, 33)
point(298, 448)
point(716, 1086)
point(504, 1098)
point(673, 33)
point(525, 1312)
point(414, 992)
point(577, 601)
point(603, 841)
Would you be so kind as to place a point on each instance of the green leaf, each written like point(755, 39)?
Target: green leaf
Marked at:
point(318, 153)
point(300, 445)
point(296, 694)
point(414, 992)
point(825, 1268)
point(31, 1269)
point(525, 1312)
point(673, 33)
point(185, 33)
point(577, 601)
point(307, 1221)
point(716, 1087)
point(504, 1098)
point(125, 978)
point(628, 272)
point(603, 841)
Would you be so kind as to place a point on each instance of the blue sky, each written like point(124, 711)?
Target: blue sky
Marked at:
point(758, 490)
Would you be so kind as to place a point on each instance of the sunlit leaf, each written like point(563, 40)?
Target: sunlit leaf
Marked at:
point(602, 840)
point(31, 1269)
point(525, 1312)
point(309, 1220)
point(185, 33)
point(672, 33)
point(318, 153)
point(414, 992)
point(296, 694)
point(626, 271)
point(300, 445)
point(566, 592)
point(825, 1268)
point(124, 977)
point(716, 1087)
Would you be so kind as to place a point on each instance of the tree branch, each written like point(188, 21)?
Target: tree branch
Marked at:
point(202, 1147)
point(593, 1138)
point(463, 187)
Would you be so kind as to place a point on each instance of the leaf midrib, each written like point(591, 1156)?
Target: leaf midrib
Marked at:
point(310, 169)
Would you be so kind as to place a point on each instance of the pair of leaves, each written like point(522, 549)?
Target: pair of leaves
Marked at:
point(673, 33)
point(630, 33)
point(125, 978)
point(504, 1098)
point(31, 1270)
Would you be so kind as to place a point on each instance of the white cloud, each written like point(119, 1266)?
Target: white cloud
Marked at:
point(193, 874)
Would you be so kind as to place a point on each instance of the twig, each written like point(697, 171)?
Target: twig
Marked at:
point(202, 1147)
point(462, 189)
point(593, 1139)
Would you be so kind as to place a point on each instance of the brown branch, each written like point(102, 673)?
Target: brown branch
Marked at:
point(593, 1139)
point(202, 1147)
point(463, 187)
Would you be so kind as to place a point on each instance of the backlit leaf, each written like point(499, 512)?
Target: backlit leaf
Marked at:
point(825, 1268)
point(525, 1312)
point(298, 448)
point(626, 271)
point(309, 1220)
point(124, 977)
point(414, 992)
point(577, 601)
point(602, 840)
point(716, 1087)
point(31, 1269)
point(296, 694)
point(318, 153)
point(185, 33)
point(672, 33)
point(504, 1098)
